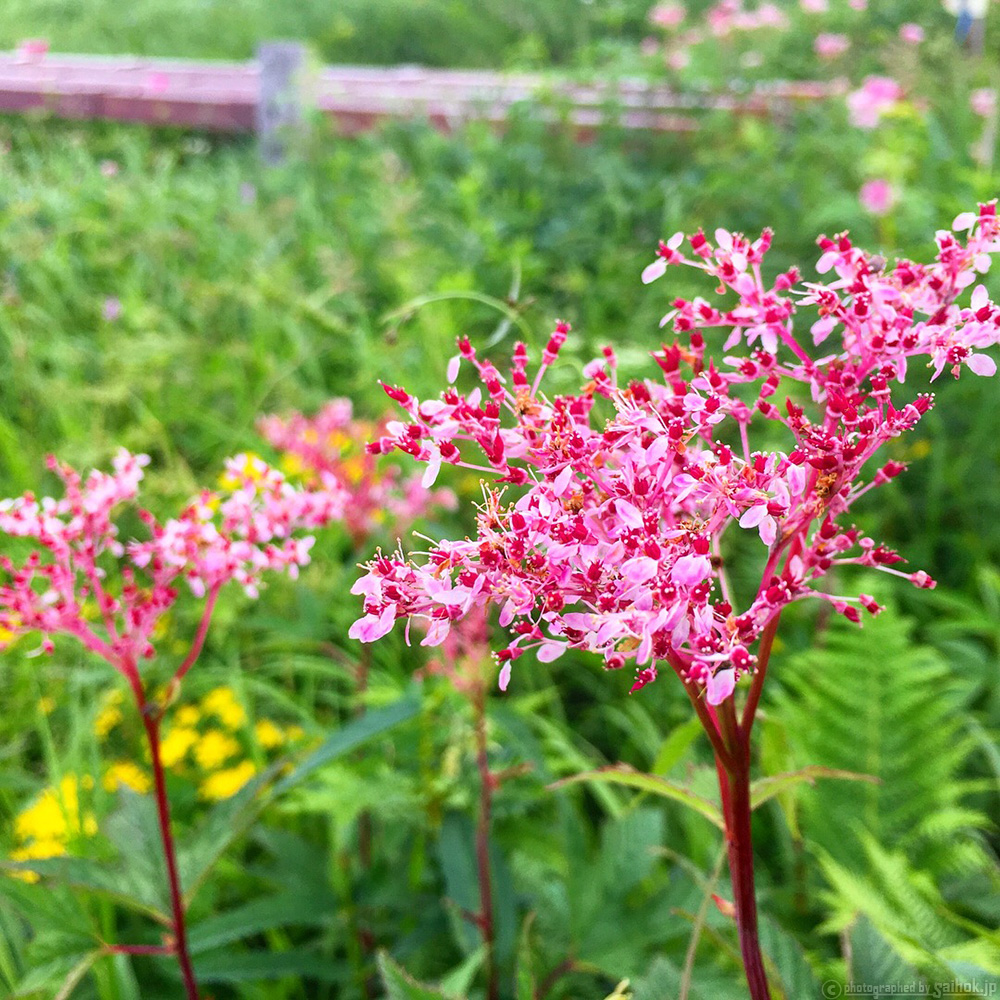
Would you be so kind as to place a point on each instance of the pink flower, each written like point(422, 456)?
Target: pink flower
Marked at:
point(112, 309)
point(33, 49)
point(814, 6)
point(609, 535)
point(877, 196)
point(830, 46)
point(858, 4)
point(876, 96)
point(983, 101)
point(667, 15)
point(109, 168)
point(83, 581)
point(329, 450)
point(911, 33)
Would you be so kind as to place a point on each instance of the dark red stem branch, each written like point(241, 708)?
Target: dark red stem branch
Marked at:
point(483, 847)
point(151, 722)
point(734, 789)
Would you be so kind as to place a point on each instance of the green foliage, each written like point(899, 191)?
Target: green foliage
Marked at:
point(871, 701)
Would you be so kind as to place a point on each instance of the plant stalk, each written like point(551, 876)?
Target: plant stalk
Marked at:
point(151, 722)
point(734, 790)
point(483, 847)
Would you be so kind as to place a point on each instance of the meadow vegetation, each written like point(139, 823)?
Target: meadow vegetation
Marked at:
point(162, 291)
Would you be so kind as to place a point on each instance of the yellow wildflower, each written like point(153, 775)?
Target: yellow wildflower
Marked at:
point(46, 705)
point(187, 715)
point(291, 465)
point(221, 702)
point(269, 736)
point(55, 814)
point(294, 733)
point(106, 720)
point(176, 744)
point(215, 748)
point(128, 774)
point(225, 784)
point(109, 715)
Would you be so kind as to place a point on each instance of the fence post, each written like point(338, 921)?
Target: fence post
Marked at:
point(283, 97)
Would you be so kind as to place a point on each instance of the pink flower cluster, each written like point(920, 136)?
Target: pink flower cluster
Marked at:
point(64, 586)
point(876, 96)
point(831, 46)
point(606, 530)
point(330, 449)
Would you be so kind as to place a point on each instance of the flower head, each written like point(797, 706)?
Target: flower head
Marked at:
point(328, 450)
point(606, 528)
point(82, 580)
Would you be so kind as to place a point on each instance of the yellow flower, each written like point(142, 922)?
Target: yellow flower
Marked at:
point(222, 703)
point(106, 720)
point(109, 715)
point(268, 734)
point(176, 744)
point(46, 705)
point(215, 748)
point(292, 465)
point(225, 784)
point(128, 774)
point(294, 733)
point(187, 715)
point(55, 814)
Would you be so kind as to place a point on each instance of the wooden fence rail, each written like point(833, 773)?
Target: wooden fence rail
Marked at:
point(221, 96)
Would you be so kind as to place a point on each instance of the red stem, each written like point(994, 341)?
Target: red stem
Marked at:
point(199, 639)
point(734, 789)
point(485, 917)
point(151, 722)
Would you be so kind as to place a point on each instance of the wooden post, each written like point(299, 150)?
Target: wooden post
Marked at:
point(283, 97)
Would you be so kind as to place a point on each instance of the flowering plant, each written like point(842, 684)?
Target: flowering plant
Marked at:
point(329, 449)
point(84, 582)
point(607, 536)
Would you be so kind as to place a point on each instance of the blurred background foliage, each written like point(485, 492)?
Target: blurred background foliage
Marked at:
point(161, 291)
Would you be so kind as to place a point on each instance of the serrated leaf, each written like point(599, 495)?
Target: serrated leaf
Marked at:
point(874, 962)
point(794, 976)
point(622, 774)
point(83, 873)
point(764, 789)
point(400, 985)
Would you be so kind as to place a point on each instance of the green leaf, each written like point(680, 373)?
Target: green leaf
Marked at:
point(400, 985)
point(676, 745)
point(278, 910)
point(790, 973)
point(461, 877)
point(874, 962)
point(83, 873)
point(764, 789)
point(622, 774)
point(459, 980)
point(233, 817)
point(254, 966)
point(347, 738)
point(525, 974)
